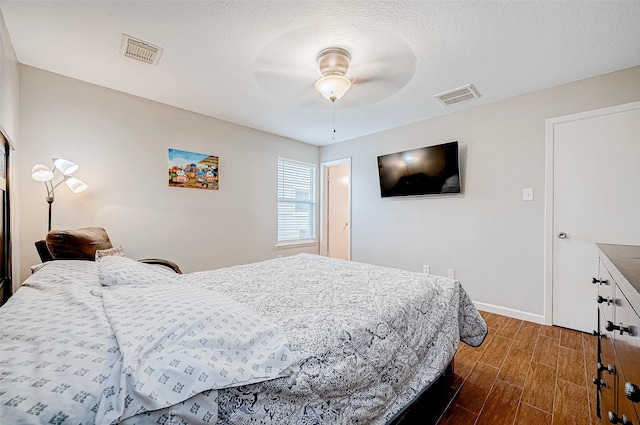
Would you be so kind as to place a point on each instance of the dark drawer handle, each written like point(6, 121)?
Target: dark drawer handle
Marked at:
point(615, 419)
point(599, 281)
point(602, 367)
point(600, 299)
point(620, 327)
point(599, 382)
point(632, 391)
point(596, 333)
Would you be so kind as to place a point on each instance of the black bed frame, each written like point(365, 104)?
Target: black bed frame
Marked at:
point(431, 406)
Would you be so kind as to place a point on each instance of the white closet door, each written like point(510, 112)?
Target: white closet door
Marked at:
point(596, 198)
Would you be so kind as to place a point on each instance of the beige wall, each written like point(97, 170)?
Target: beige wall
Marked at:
point(9, 99)
point(120, 142)
point(491, 237)
point(9, 126)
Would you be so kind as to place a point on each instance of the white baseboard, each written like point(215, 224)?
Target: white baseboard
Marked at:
point(510, 312)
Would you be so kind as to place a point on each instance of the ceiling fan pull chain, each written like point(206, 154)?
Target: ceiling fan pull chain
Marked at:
point(334, 123)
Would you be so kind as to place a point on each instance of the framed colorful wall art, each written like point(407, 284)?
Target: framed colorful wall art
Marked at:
point(191, 169)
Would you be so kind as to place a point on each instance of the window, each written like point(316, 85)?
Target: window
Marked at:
point(296, 201)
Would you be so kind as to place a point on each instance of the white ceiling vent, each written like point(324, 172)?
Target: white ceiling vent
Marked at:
point(140, 50)
point(457, 95)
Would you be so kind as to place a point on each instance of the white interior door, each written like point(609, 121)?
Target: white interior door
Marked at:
point(596, 198)
point(338, 211)
point(335, 223)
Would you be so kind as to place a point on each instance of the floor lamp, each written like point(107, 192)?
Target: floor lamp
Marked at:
point(42, 173)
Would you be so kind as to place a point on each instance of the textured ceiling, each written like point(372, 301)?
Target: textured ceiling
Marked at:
point(254, 62)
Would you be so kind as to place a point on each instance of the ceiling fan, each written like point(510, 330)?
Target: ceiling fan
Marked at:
point(370, 75)
point(333, 63)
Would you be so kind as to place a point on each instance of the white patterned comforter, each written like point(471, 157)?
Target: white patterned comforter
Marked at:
point(363, 341)
point(176, 344)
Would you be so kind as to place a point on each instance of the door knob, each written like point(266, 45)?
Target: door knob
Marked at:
point(562, 235)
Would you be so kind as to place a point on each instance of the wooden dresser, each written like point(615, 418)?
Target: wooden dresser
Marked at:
point(618, 361)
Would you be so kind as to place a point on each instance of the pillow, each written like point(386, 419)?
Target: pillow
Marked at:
point(116, 270)
point(77, 244)
point(116, 250)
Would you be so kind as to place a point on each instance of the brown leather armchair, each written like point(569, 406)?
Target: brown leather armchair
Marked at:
point(82, 244)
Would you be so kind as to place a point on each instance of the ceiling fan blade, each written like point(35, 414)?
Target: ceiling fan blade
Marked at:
point(314, 100)
point(381, 78)
point(288, 87)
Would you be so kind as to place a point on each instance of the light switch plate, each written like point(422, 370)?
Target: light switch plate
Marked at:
point(527, 194)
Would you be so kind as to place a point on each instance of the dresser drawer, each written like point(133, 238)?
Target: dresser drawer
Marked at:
point(608, 375)
point(606, 292)
point(625, 406)
point(627, 347)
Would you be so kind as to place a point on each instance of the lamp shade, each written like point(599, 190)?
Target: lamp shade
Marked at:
point(41, 173)
point(75, 185)
point(65, 167)
point(333, 87)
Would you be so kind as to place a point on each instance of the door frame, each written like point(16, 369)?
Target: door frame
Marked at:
point(324, 172)
point(549, 185)
point(5, 181)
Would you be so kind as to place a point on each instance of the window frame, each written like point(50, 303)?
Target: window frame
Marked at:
point(312, 204)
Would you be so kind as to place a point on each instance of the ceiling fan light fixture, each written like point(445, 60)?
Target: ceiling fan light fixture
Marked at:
point(333, 63)
point(333, 87)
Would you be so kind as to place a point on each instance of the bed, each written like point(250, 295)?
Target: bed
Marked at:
point(302, 340)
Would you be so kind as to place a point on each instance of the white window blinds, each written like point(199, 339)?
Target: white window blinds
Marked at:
point(296, 201)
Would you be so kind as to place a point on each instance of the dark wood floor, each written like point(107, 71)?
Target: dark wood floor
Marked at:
point(525, 373)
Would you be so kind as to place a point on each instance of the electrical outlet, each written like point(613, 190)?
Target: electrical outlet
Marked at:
point(426, 269)
point(451, 273)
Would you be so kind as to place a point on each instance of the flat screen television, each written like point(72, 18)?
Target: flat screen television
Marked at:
point(432, 170)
